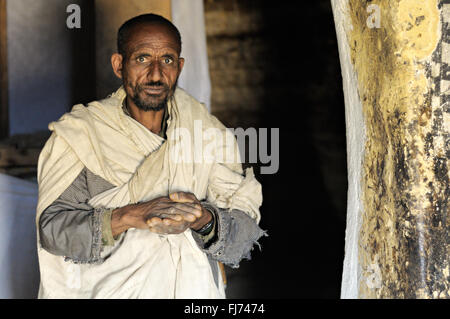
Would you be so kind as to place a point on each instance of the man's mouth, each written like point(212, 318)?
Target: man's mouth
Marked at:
point(154, 90)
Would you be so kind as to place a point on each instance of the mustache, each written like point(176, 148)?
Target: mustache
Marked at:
point(154, 84)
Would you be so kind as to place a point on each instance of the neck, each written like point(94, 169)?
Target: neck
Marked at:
point(152, 120)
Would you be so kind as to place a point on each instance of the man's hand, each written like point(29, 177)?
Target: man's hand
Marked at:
point(175, 225)
point(163, 215)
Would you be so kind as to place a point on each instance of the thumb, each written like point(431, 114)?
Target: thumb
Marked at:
point(183, 197)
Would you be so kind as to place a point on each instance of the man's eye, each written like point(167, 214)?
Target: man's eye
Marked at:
point(168, 60)
point(141, 59)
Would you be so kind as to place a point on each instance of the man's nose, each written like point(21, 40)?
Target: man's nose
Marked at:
point(154, 73)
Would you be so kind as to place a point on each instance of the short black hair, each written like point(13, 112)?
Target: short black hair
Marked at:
point(123, 34)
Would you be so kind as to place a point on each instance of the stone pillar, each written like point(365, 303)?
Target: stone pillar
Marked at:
point(395, 66)
point(109, 16)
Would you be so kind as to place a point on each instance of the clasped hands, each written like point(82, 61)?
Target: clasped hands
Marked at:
point(171, 214)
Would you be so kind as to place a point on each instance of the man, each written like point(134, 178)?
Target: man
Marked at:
point(127, 208)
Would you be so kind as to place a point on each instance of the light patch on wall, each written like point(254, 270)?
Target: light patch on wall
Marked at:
point(416, 24)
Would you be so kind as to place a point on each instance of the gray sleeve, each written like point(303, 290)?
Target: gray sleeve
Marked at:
point(70, 227)
point(236, 233)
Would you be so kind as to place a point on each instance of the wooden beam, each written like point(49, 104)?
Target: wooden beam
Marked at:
point(4, 113)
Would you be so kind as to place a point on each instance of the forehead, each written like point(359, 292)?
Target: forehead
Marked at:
point(152, 36)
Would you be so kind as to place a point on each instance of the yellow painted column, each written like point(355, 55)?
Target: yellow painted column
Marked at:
point(109, 16)
point(398, 53)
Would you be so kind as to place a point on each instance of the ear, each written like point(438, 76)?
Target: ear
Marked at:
point(180, 65)
point(116, 62)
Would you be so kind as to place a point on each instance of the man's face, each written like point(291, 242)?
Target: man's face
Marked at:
point(151, 66)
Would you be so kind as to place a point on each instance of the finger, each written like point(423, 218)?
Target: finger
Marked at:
point(183, 197)
point(173, 214)
point(189, 208)
point(151, 222)
point(168, 205)
point(174, 217)
point(179, 209)
point(189, 217)
point(180, 216)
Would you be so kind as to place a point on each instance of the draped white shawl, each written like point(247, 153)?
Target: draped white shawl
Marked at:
point(195, 158)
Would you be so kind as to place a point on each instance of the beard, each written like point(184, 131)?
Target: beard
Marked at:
point(152, 102)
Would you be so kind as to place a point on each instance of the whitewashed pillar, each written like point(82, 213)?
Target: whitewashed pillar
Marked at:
point(396, 77)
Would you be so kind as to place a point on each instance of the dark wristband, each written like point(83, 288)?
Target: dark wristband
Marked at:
point(206, 229)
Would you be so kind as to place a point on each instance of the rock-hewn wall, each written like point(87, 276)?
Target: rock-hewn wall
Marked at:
point(236, 51)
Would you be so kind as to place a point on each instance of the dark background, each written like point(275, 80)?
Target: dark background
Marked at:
point(304, 204)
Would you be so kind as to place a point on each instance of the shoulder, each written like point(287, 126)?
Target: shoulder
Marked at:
point(101, 110)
